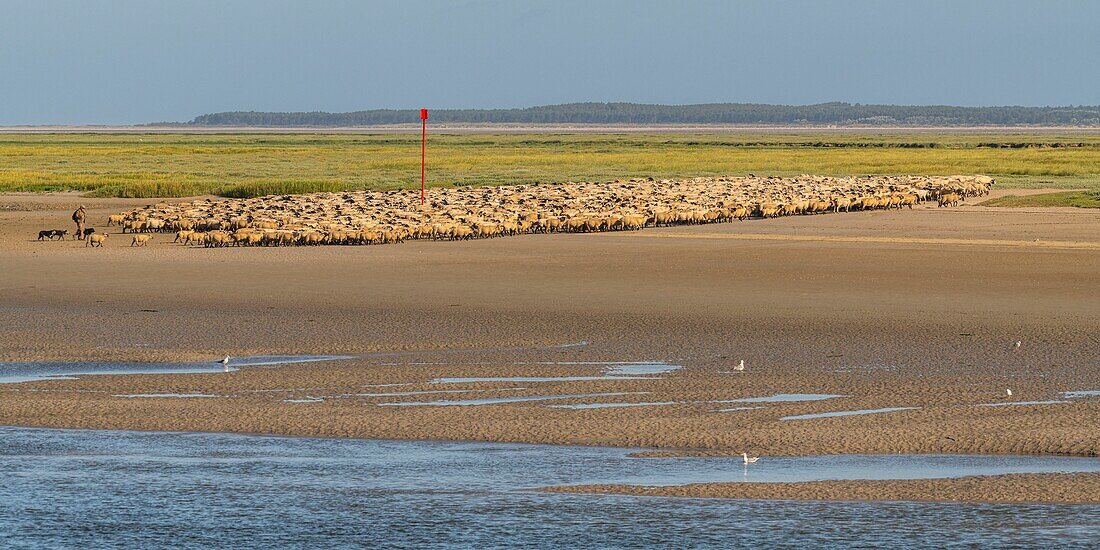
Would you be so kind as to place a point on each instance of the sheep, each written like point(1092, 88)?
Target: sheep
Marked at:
point(217, 239)
point(311, 238)
point(663, 219)
point(182, 225)
point(393, 236)
point(576, 224)
point(140, 240)
point(115, 219)
point(460, 213)
point(197, 237)
point(96, 240)
point(554, 224)
point(461, 233)
point(424, 231)
point(486, 230)
point(634, 221)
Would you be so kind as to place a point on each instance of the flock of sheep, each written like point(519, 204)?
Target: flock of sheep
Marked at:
point(365, 217)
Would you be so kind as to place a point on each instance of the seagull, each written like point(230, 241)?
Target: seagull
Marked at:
point(749, 459)
point(225, 362)
point(740, 366)
point(1017, 344)
point(1009, 392)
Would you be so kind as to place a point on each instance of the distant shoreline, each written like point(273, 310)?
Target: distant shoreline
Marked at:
point(545, 129)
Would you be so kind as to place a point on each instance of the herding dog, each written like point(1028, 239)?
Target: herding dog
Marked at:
point(51, 233)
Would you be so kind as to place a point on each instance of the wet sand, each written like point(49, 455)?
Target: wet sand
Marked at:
point(1016, 488)
point(915, 308)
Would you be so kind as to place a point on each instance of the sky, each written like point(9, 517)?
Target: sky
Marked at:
point(135, 61)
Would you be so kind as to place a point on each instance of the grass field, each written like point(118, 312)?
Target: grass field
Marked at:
point(1079, 199)
point(244, 165)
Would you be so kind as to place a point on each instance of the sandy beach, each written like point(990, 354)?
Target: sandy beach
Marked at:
point(917, 309)
point(1013, 488)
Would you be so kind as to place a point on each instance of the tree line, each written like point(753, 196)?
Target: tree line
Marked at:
point(712, 113)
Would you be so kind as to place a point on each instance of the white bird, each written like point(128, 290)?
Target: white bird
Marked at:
point(740, 366)
point(749, 459)
point(1017, 344)
point(225, 362)
point(1009, 392)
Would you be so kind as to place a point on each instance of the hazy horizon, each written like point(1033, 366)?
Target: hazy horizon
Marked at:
point(130, 61)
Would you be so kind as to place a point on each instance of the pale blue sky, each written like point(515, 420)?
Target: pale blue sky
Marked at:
point(128, 61)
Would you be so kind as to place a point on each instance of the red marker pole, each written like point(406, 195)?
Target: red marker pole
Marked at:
point(423, 149)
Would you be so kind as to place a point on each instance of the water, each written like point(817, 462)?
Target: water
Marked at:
point(30, 371)
point(866, 369)
point(648, 404)
point(532, 379)
point(846, 413)
point(320, 398)
point(1012, 403)
point(426, 392)
point(499, 400)
point(635, 369)
point(616, 405)
point(130, 489)
point(168, 395)
point(613, 370)
point(1080, 393)
point(787, 397)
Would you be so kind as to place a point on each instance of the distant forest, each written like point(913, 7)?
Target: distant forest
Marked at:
point(712, 113)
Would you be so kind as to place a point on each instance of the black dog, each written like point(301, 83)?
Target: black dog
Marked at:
point(88, 231)
point(51, 233)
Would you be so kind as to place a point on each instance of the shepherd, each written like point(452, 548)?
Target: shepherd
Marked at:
point(78, 218)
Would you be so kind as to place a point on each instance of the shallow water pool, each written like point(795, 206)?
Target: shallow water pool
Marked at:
point(846, 413)
point(78, 488)
point(532, 379)
point(613, 370)
point(616, 405)
point(1014, 403)
point(1080, 393)
point(30, 371)
point(787, 397)
point(166, 395)
point(499, 400)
